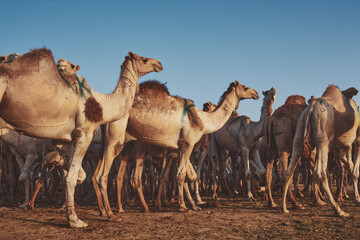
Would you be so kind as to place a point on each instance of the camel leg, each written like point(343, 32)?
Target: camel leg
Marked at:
point(202, 156)
point(113, 146)
point(188, 196)
point(81, 145)
point(164, 168)
point(269, 169)
point(320, 170)
point(245, 155)
point(297, 152)
point(97, 190)
point(137, 177)
point(185, 152)
point(119, 182)
point(355, 172)
point(215, 163)
point(166, 181)
point(38, 186)
point(222, 178)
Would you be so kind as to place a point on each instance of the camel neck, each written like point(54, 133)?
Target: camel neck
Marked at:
point(216, 119)
point(120, 100)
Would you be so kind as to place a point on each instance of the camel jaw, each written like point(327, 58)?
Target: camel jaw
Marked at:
point(158, 69)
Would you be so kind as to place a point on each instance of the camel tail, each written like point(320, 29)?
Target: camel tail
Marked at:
point(303, 130)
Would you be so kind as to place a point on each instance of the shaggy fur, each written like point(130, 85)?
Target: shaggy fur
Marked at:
point(93, 110)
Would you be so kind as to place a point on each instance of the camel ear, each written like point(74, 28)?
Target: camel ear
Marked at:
point(77, 67)
point(131, 55)
point(236, 83)
point(263, 92)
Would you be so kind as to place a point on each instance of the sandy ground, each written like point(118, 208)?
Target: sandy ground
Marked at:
point(234, 218)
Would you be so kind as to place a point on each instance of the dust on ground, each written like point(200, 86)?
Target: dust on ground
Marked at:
point(233, 218)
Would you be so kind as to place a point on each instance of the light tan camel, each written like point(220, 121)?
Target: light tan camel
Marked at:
point(240, 134)
point(331, 120)
point(49, 106)
point(280, 133)
point(163, 120)
point(140, 150)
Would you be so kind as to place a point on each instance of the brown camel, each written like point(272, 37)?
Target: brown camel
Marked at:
point(163, 120)
point(280, 133)
point(38, 101)
point(240, 134)
point(329, 121)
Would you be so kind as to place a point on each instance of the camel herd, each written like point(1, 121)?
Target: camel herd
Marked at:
point(51, 119)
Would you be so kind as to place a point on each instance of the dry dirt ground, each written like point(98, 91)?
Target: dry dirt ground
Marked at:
point(234, 218)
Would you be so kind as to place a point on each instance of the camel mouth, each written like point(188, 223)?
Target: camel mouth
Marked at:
point(158, 69)
point(256, 97)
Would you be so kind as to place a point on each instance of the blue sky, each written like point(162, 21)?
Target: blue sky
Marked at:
point(298, 47)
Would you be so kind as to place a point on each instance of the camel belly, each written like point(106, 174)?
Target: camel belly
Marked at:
point(163, 135)
point(39, 114)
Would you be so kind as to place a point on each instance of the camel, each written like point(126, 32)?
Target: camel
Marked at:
point(329, 121)
point(240, 134)
point(140, 150)
point(163, 120)
point(27, 152)
point(280, 133)
point(37, 101)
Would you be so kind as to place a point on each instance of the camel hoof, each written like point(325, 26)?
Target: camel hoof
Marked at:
point(299, 206)
point(77, 224)
point(200, 203)
point(121, 210)
point(196, 208)
point(184, 210)
point(284, 210)
point(273, 205)
point(172, 200)
point(146, 211)
point(112, 218)
point(342, 214)
point(23, 206)
point(320, 203)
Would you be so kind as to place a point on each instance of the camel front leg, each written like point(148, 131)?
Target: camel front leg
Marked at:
point(138, 183)
point(185, 152)
point(81, 145)
point(202, 156)
point(119, 183)
point(245, 155)
point(40, 182)
point(161, 187)
point(97, 190)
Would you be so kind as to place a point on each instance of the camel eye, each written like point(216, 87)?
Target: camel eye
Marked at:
point(145, 60)
point(72, 66)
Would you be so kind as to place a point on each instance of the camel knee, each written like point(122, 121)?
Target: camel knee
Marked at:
point(81, 176)
point(248, 174)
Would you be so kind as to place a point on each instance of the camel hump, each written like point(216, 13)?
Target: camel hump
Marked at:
point(153, 86)
point(295, 99)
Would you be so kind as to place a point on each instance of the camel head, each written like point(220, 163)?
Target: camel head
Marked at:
point(65, 66)
point(209, 107)
point(244, 92)
point(350, 92)
point(143, 65)
point(9, 58)
point(269, 95)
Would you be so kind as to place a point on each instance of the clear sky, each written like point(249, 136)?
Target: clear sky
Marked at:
point(298, 47)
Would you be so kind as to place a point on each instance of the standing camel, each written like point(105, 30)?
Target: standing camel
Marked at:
point(329, 121)
point(280, 134)
point(38, 101)
point(163, 120)
point(240, 134)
